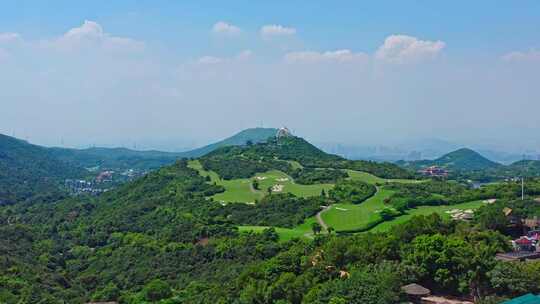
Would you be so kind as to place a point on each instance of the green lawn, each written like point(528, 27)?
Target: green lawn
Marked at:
point(340, 216)
point(361, 216)
point(285, 234)
point(426, 210)
point(240, 190)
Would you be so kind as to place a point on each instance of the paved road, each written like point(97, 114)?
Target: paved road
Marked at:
point(320, 220)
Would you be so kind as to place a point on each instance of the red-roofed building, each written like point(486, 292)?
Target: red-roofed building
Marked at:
point(434, 171)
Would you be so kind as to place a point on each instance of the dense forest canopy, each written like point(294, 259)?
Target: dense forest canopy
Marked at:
point(27, 170)
point(163, 239)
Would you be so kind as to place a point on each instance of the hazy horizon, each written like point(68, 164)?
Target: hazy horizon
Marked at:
point(110, 74)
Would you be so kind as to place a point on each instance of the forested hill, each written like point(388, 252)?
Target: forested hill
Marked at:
point(462, 159)
point(162, 226)
point(122, 158)
point(254, 135)
point(115, 158)
point(277, 153)
point(161, 239)
point(466, 159)
point(27, 170)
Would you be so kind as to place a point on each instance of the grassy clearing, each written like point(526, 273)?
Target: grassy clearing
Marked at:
point(343, 217)
point(277, 177)
point(240, 190)
point(295, 164)
point(426, 210)
point(286, 234)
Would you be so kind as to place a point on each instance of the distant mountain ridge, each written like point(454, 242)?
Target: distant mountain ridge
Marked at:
point(146, 160)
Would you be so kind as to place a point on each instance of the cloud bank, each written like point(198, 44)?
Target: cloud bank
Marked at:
point(517, 56)
point(91, 86)
point(405, 49)
point(224, 28)
point(339, 56)
point(276, 30)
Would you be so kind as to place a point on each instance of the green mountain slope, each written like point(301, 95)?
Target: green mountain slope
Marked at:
point(465, 159)
point(277, 153)
point(27, 170)
point(459, 160)
point(255, 135)
point(528, 168)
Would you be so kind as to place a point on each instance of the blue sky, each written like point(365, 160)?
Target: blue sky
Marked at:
point(178, 73)
point(482, 26)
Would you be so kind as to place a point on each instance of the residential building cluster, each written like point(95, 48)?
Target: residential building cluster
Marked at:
point(434, 171)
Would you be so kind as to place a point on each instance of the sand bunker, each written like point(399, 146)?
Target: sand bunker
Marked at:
point(277, 188)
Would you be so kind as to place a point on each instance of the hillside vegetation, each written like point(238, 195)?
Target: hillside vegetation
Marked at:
point(466, 164)
point(459, 160)
point(164, 239)
point(28, 170)
point(245, 161)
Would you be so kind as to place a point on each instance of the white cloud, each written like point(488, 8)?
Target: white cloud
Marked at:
point(9, 38)
point(531, 55)
point(209, 60)
point(273, 30)
point(340, 56)
point(245, 54)
point(403, 49)
point(91, 34)
point(225, 28)
point(4, 55)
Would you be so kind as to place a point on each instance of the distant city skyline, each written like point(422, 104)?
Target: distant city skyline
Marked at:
point(177, 75)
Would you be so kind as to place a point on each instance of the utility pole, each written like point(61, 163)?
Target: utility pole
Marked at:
point(522, 188)
point(523, 180)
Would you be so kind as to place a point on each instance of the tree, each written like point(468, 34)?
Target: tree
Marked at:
point(515, 278)
point(387, 214)
point(450, 262)
point(108, 293)
point(255, 184)
point(374, 284)
point(316, 228)
point(492, 217)
point(157, 290)
point(337, 300)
